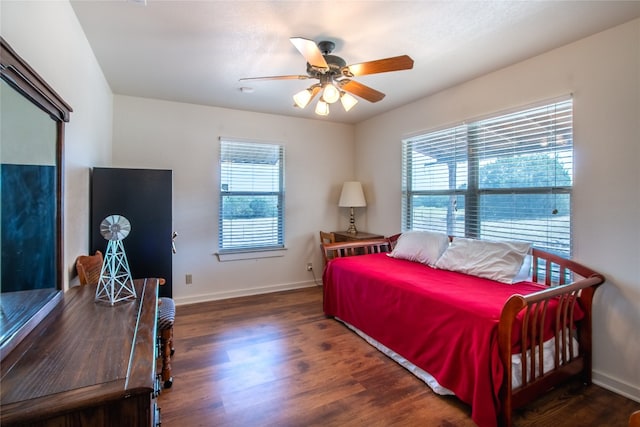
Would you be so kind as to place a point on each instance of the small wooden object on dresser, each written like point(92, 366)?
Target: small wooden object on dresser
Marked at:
point(344, 236)
point(87, 364)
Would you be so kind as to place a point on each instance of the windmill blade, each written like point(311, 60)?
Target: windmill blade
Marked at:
point(361, 90)
point(291, 77)
point(309, 49)
point(396, 63)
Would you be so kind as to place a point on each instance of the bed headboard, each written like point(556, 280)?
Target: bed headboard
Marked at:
point(359, 247)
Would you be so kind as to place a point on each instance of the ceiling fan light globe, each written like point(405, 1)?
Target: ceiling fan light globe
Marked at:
point(302, 98)
point(322, 108)
point(331, 93)
point(348, 101)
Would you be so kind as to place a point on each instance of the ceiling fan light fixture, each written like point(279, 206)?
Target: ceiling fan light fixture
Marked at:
point(347, 101)
point(331, 93)
point(322, 108)
point(302, 98)
point(334, 75)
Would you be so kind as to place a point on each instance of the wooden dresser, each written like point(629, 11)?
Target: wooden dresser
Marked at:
point(87, 364)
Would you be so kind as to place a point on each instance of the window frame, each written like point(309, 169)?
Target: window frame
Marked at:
point(472, 193)
point(251, 250)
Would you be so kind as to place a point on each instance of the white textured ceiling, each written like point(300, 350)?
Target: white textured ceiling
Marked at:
point(196, 51)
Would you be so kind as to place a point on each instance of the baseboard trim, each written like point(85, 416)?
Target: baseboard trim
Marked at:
point(242, 293)
point(615, 385)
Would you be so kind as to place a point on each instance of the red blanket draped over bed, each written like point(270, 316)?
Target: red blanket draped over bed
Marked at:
point(442, 321)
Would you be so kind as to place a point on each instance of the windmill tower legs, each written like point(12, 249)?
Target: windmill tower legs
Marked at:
point(115, 282)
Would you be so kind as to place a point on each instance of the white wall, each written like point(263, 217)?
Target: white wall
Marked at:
point(48, 36)
point(319, 156)
point(603, 74)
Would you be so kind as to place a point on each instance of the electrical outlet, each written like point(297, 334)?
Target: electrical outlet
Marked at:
point(309, 266)
point(188, 279)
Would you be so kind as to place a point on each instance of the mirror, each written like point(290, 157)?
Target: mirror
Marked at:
point(32, 118)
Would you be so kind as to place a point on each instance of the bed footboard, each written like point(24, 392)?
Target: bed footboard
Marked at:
point(569, 283)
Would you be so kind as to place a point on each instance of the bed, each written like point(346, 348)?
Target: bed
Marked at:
point(496, 345)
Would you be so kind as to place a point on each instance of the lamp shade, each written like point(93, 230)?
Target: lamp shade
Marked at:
point(322, 108)
point(352, 195)
point(302, 98)
point(348, 101)
point(330, 94)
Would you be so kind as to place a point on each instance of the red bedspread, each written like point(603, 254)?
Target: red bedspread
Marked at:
point(443, 322)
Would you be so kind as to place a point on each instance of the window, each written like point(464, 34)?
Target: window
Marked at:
point(504, 177)
point(251, 196)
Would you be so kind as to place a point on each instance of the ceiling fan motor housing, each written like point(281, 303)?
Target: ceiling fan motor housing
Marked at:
point(326, 47)
point(335, 63)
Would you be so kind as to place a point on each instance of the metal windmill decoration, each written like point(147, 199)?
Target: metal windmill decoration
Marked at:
point(115, 282)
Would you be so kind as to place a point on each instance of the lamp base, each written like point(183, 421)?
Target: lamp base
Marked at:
point(352, 224)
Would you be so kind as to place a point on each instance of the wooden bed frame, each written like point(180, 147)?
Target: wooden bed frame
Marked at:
point(566, 280)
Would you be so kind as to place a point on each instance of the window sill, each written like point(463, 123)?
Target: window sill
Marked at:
point(250, 254)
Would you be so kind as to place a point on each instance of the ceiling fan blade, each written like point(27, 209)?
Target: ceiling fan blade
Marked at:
point(361, 90)
point(396, 63)
point(309, 49)
point(314, 91)
point(292, 77)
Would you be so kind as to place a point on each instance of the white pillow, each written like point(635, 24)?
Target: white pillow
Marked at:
point(500, 261)
point(420, 246)
point(524, 274)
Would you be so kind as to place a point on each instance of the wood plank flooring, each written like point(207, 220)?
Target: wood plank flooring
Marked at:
point(275, 360)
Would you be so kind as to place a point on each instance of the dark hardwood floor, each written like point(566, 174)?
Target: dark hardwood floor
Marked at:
point(275, 360)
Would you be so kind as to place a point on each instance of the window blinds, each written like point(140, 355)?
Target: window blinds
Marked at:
point(434, 176)
point(503, 177)
point(251, 196)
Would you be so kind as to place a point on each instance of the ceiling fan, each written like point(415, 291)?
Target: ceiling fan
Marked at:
point(335, 76)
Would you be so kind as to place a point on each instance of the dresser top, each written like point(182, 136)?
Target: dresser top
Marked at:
point(85, 350)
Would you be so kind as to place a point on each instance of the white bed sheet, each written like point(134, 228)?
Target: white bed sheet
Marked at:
point(548, 349)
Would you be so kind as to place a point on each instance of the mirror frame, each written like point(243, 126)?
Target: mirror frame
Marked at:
point(21, 77)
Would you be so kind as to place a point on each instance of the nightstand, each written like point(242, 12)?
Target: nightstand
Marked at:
point(343, 236)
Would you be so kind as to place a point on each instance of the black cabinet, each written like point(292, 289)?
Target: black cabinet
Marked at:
point(144, 197)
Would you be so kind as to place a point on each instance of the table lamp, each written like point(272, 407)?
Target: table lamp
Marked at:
point(351, 197)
